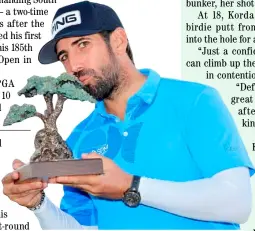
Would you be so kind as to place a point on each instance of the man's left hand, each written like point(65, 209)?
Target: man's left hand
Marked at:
point(112, 184)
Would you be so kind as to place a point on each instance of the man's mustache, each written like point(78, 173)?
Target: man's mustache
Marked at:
point(83, 72)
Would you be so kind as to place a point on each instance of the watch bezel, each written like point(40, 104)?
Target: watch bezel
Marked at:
point(134, 195)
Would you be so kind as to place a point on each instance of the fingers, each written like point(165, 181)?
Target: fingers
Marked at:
point(29, 199)
point(86, 188)
point(21, 188)
point(76, 180)
point(15, 176)
point(17, 164)
point(12, 189)
point(83, 187)
point(25, 194)
point(90, 155)
point(7, 179)
point(52, 180)
point(64, 181)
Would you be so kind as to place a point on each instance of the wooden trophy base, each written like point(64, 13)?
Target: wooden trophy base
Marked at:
point(46, 169)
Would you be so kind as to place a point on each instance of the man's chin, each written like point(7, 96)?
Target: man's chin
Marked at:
point(90, 90)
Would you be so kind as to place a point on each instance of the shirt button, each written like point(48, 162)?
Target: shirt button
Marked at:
point(117, 120)
point(125, 133)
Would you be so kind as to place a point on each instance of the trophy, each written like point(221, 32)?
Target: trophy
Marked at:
point(52, 157)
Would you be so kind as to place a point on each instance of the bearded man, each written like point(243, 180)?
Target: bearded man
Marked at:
point(172, 155)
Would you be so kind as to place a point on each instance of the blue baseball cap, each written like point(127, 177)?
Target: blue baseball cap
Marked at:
point(78, 19)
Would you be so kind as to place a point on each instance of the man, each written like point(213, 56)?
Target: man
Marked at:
point(172, 156)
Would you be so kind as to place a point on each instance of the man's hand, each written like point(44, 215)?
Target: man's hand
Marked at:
point(112, 184)
point(27, 193)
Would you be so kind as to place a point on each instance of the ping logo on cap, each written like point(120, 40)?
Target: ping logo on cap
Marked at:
point(65, 20)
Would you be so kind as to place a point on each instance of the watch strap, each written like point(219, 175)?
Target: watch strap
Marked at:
point(135, 183)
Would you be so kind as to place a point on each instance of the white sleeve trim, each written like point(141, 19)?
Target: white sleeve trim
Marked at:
point(52, 217)
point(226, 197)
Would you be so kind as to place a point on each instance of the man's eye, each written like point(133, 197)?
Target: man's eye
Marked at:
point(63, 58)
point(83, 44)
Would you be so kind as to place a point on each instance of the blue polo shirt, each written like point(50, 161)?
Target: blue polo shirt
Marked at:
point(173, 130)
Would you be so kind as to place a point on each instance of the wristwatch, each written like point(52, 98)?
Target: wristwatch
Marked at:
point(132, 197)
point(40, 203)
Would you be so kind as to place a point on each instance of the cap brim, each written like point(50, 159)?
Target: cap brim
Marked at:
point(48, 54)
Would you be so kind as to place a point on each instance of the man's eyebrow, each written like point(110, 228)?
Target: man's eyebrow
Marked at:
point(78, 40)
point(72, 44)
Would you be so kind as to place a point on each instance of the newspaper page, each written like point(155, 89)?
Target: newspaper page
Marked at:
point(217, 50)
point(135, 125)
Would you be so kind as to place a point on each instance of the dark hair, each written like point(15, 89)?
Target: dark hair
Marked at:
point(106, 36)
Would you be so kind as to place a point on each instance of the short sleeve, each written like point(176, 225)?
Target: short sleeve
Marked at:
point(212, 136)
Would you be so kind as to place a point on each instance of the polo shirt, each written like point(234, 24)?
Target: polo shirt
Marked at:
point(173, 130)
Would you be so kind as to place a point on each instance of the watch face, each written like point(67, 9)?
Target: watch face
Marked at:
point(132, 199)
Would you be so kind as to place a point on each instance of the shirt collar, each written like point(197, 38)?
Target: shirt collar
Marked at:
point(149, 89)
point(146, 93)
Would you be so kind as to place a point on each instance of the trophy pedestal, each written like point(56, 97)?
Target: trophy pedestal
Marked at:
point(46, 169)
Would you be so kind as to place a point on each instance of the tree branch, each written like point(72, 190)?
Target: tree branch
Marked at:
point(41, 116)
point(59, 106)
point(48, 99)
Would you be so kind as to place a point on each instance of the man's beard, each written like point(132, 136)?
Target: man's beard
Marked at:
point(106, 84)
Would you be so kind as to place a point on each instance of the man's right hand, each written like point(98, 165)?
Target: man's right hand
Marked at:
point(27, 193)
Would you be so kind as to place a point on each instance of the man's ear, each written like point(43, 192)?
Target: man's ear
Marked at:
point(119, 41)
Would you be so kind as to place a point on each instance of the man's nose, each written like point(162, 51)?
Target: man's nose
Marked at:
point(75, 64)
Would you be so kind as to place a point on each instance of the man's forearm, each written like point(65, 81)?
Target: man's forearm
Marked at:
point(51, 217)
point(226, 197)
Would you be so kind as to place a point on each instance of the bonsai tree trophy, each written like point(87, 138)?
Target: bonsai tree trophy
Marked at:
point(52, 157)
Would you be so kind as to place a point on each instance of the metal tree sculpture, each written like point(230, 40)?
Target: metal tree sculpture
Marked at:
point(49, 145)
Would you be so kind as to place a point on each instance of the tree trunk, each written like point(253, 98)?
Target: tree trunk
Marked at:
point(49, 145)
point(48, 99)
